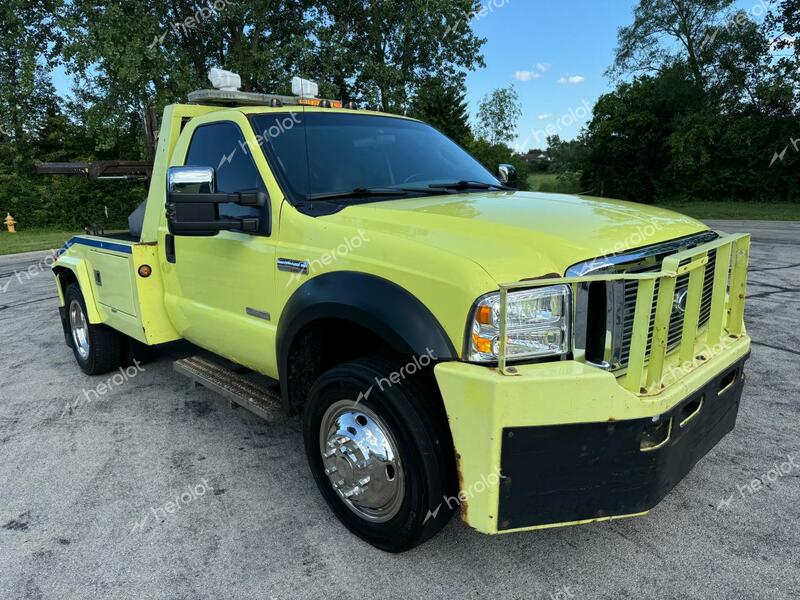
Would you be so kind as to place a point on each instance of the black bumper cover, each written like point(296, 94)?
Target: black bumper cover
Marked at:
point(564, 473)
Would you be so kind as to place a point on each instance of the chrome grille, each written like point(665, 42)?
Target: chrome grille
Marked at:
point(676, 318)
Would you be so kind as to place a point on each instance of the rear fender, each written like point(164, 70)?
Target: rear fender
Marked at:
point(81, 273)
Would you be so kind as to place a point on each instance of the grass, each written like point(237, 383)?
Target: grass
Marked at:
point(29, 240)
point(756, 211)
point(555, 183)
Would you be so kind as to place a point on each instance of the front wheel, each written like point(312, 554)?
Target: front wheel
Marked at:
point(380, 457)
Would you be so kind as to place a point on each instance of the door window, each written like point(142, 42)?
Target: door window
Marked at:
point(222, 147)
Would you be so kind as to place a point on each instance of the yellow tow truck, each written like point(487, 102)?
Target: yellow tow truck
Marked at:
point(454, 345)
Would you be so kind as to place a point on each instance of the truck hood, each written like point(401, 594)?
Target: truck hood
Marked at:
point(517, 235)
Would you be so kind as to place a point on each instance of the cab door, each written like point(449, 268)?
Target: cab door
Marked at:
point(219, 289)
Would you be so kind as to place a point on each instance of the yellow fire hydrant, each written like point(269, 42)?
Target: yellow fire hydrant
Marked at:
point(10, 223)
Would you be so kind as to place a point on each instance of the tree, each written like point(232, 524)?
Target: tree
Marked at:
point(626, 140)
point(565, 156)
point(498, 115)
point(443, 105)
point(28, 49)
point(666, 31)
point(119, 74)
point(381, 51)
point(782, 28)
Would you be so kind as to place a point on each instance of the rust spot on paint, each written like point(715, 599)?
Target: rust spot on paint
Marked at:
point(547, 276)
point(462, 501)
point(611, 419)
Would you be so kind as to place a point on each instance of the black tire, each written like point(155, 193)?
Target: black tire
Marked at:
point(104, 343)
point(423, 443)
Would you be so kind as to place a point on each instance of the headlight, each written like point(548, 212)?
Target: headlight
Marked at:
point(538, 324)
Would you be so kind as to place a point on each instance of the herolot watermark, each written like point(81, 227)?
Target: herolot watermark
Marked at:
point(739, 19)
point(25, 275)
point(485, 483)
point(316, 265)
point(415, 365)
point(183, 499)
point(96, 393)
point(485, 10)
point(203, 12)
point(636, 239)
point(281, 126)
point(780, 156)
point(676, 372)
point(575, 115)
point(777, 472)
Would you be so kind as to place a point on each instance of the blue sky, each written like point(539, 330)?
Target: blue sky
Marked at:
point(555, 54)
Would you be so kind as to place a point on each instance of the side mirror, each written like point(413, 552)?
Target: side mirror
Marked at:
point(193, 204)
point(507, 175)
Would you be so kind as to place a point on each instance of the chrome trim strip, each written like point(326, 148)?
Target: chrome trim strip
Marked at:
point(670, 247)
point(614, 291)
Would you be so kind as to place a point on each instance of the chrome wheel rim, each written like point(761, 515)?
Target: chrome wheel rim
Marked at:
point(360, 458)
point(79, 328)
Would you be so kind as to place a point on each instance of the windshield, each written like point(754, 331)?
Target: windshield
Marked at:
point(324, 154)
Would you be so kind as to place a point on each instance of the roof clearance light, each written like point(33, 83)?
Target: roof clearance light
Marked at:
point(225, 81)
point(304, 88)
point(320, 103)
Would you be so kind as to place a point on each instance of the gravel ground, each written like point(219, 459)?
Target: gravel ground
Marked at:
point(84, 490)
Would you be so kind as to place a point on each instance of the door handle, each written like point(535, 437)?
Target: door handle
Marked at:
point(169, 247)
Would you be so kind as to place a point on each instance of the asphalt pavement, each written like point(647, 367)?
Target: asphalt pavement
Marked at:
point(144, 487)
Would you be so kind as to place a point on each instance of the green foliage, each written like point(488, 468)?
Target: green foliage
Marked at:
point(491, 155)
point(443, 105)
point(711, 111)
point(555, 183)
point(127, 55)
point(565, 156)
point(382, 51)
point(498, 115)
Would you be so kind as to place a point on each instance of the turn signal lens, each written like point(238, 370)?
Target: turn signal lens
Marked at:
point(145, 271)
point(483, 345)
point(484, 315)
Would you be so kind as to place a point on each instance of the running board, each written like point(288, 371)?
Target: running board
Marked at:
point(259, 400)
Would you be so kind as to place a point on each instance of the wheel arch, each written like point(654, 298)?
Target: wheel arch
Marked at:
point(369, 310)
point(69, 270)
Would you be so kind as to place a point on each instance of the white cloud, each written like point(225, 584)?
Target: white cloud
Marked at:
point(538, 70)
point(572, 79)
point(546, 117)
point(526, 75)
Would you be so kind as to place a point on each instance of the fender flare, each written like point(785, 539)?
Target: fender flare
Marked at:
point(377, 304)
point(81, 272)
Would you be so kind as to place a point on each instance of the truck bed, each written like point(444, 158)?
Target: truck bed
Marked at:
point(107, 267)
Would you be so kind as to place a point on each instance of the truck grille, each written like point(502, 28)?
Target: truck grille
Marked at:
point(630, 309)
point(676, 318)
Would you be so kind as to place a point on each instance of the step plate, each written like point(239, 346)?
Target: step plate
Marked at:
point(261, 401)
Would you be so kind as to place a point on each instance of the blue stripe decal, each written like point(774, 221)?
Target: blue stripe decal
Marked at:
point(96, 244)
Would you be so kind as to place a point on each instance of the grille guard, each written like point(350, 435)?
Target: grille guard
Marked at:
point(645, 371)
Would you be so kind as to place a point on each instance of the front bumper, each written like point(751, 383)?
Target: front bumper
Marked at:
point(562, 443)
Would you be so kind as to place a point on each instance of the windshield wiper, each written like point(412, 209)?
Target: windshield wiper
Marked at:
point(468, 185)
point(360, 193)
